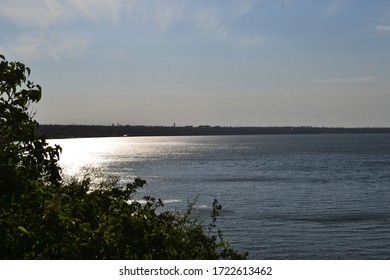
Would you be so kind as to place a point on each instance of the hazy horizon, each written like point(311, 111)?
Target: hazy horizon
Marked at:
point(218, 63)
point(217, 126)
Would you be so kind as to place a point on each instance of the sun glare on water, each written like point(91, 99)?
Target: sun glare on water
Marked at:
point(100, 152)
point(78, 153)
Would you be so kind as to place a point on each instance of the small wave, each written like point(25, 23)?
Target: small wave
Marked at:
point(268, 179)
point(140, 201)
point(329, 219)
point(202, 206)
point(167, 201)
point(247, 179)
point(143, 201)
point(351, 218)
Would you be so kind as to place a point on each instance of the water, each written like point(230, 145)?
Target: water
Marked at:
point(283, 197)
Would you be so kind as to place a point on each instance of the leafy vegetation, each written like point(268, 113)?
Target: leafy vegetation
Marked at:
point(43, 216)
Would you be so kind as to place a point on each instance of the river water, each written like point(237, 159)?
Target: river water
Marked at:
point(283, 196)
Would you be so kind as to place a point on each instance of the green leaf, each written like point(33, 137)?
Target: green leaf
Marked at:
point(22, 102)
point(112, 207)
point(23, 229)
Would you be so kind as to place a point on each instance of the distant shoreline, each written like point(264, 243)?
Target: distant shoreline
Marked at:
point(86, 131)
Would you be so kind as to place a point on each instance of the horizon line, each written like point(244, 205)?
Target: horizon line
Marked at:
point(219, 126)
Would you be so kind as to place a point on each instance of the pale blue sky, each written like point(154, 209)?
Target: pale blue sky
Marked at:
point(217, 62)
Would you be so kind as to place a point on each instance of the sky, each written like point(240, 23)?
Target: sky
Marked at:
point(198, 62)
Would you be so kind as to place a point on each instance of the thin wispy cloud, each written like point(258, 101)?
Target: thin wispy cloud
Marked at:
point(40, 13)
point(41, 16)
point(211, 21)
point(159, 15)
point(96, 10)
point(48, 46)
point(382, 25)
point(244, 6)
point(162, 14)
point(367, 79)
point(335, 7)
point(251, 42)
point(219, 20)
point(46, 13)
point(382, 28)
point(167, 13)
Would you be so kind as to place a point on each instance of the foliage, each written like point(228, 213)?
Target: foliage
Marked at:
point(28, 166)
point(43, 216)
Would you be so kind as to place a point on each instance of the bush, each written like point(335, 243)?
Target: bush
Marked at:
point(43, 216)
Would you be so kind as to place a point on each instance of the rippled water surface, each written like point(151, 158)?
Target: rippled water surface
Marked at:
point(283, 197)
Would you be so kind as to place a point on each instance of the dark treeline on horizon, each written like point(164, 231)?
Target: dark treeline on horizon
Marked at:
point(78, 131)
